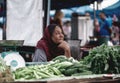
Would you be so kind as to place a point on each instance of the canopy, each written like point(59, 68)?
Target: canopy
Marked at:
point(113, 9)
point(63, 4)
point(114, 6)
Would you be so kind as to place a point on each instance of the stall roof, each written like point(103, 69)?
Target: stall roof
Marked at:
point(63, 4)
point(113, 9)
point(114, 6)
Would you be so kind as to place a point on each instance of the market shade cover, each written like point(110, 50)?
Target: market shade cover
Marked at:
point(113, 9)
point(63, 4)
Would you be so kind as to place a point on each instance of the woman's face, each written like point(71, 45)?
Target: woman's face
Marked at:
point(57, 35)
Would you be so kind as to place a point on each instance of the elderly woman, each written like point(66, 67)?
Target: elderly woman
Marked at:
point(52, 44)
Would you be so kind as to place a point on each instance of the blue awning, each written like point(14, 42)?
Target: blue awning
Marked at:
point(114, 6)
point(113, 9)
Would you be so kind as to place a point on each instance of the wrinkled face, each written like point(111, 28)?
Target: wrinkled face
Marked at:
point(57, 35)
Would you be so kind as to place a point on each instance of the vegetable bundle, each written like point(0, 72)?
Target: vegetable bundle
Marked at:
point(36, 72)
point(3, 66)
point(58, 67)
point(70, 66)
point(5, 73)
point(104, 59)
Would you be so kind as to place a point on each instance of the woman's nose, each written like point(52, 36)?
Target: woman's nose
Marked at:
point(61, 35)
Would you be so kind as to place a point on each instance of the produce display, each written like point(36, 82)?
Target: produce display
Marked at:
point(36, 72)
point(101, 60)
point(5, 73)
point(71, 67)
point(104, 59)
point(58, 67)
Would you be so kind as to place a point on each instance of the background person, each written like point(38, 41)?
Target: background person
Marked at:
point(67, 29)
point(52, 44)
point(115, 33)
point(105, 29)
point(57, 19)
point(96, 28)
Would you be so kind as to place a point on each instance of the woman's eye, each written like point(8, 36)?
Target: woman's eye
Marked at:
point(57, 33)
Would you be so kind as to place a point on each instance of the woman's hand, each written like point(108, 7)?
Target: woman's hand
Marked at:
point(66, 47)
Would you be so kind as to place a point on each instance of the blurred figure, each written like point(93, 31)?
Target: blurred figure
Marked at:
point(57, 19)
point(87, 14)
point(115, 33)
point(105, 29)
point(114, 19)
point(115, 30)
point(96, 28)
point(67, 29)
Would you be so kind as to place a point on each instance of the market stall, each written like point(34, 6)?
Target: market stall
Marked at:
point(100, 66)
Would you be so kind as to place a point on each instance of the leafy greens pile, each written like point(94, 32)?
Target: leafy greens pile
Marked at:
point(104, 59)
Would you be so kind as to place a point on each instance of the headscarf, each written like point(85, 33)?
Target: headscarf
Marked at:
point(51, 49)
